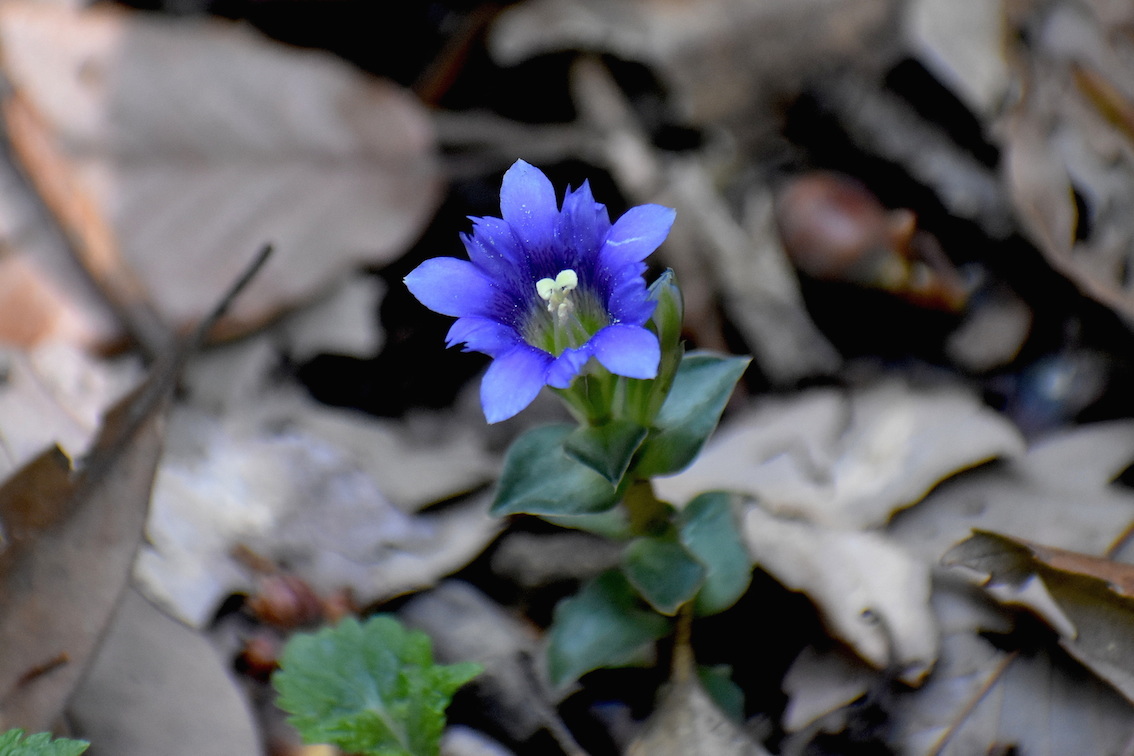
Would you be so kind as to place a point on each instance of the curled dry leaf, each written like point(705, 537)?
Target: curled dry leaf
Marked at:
point(1095, 594)
point(848, 459)
point(171, 150)
point(1072, 133)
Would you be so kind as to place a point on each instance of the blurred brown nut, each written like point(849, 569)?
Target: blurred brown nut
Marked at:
point(834, 229)
point(260, 656)
point(285, 601)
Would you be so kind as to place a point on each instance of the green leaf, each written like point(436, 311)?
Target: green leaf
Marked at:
point(608, 448)
point(663, 571)
point(711, 533)
point(540, 478)
point(13, 743)
point(613, 523)
point(702, 386)
point(601, 626)
point(368, 688)
point(717, 682)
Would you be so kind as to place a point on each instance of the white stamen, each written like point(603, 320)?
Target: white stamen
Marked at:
point(555, 291)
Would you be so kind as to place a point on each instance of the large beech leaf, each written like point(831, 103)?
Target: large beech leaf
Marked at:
point(171, 149)
point(607, 449)
point(368, 688)
point(710, 531)
point(539, 477)
point(601, 626)
point(663, 571)
point(703, 384)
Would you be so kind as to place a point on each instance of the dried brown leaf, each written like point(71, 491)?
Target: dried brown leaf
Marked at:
point(157, 686)
point(69, 540)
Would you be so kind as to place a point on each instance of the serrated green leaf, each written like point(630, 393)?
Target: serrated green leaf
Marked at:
point(13, 743)
point(663, 571)
point(601, 626)
point(368, 688)
point(608, 448)
point(711, 533)
point(540, 478)
point(691, 411)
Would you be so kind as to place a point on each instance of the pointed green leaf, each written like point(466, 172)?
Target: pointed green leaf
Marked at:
point(13, 743)
point(663, 571)
point(718, 683)
point(711, 533)
point(540, 478)
point(691, 411)
point(370, 688)
point(601, 626)
point(608, 448)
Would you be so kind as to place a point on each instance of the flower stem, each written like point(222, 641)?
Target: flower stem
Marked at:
point(647, 513)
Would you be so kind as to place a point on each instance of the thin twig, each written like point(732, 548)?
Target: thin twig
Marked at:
point(968, 709)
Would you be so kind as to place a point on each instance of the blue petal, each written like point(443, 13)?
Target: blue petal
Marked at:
point(637, 234)
point(451, 287)
point(567, 366)
point(513, 380)
point(583, 224)
point(630, 301)
point(527, 202)
point(493, 245)
point(627, 350)
point(482, 335)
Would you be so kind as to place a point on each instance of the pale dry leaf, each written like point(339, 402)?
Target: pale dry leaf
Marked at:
point(820, 682)
point(157, 686)
point(266, 482)
point(1059, 494)
point(418, 461)
point(963, 44)
point(458, 740)
point(748, 49)
point(54, 394)
point(871, 593)
point(345, 321)
point(848, 459)
point(196, 142)
point(688, 723)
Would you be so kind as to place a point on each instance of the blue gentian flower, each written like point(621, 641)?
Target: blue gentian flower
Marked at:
point(544, 290)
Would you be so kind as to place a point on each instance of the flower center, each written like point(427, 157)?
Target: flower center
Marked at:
point(570, 317)
point(556, 291)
